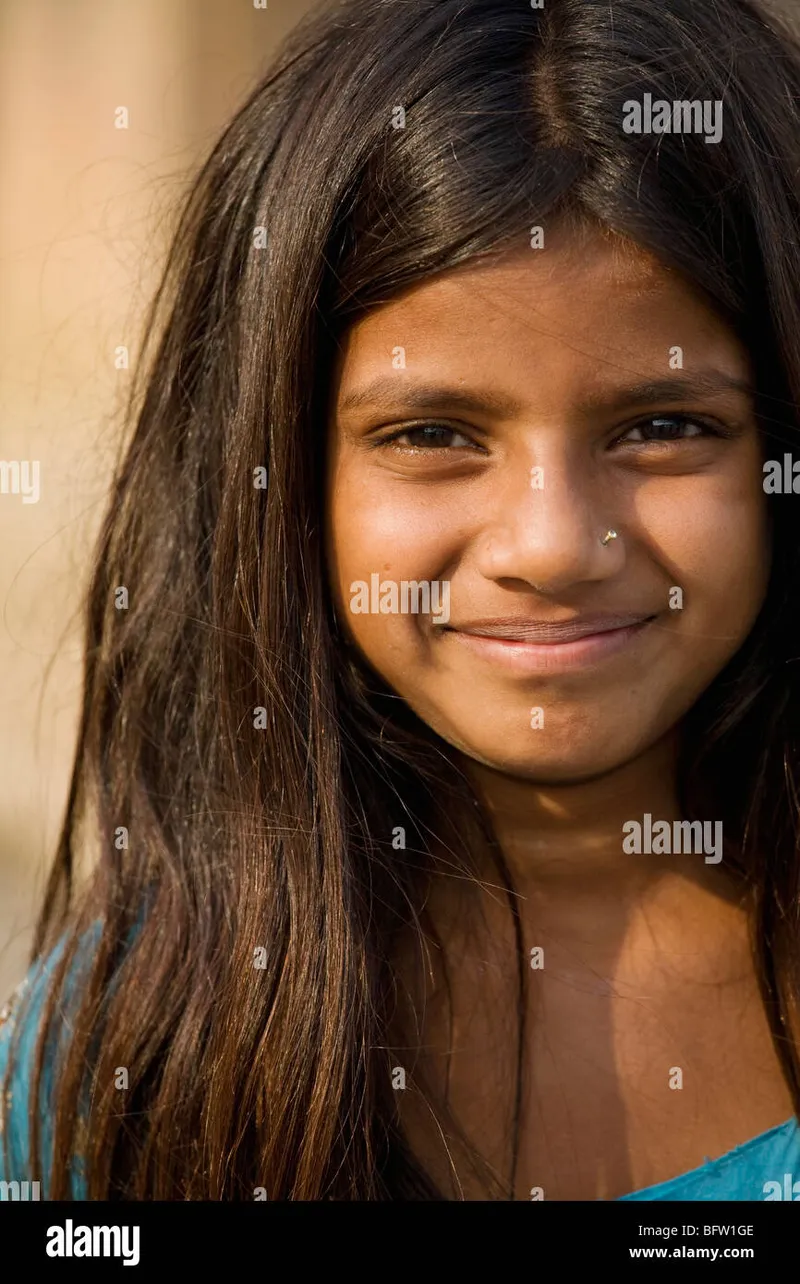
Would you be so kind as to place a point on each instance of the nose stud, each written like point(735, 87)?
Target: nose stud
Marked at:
point(605, 541)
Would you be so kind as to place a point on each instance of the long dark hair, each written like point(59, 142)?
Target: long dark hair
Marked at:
point(239, 774)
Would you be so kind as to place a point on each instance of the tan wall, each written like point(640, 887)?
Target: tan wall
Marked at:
point(84, 211)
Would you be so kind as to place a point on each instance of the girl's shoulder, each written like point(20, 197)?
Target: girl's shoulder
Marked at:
point(21, 1022)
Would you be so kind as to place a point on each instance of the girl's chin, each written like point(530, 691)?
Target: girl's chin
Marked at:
point(568, 767)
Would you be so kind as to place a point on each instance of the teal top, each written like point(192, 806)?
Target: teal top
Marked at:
point(765, 1168)
point(15, 1096)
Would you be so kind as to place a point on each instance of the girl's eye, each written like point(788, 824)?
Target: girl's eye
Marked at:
point(426, 437)
point(667, 428)
point(661, 429)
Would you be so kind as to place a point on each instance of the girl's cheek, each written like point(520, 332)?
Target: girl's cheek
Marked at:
point(714, 541)
point(404, 531)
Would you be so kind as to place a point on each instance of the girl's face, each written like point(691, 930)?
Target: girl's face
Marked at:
point(488, 429)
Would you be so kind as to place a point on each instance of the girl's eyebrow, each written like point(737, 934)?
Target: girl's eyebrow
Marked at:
point(700, 384)
point(388, 392)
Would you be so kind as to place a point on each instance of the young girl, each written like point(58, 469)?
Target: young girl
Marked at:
point(434, 825)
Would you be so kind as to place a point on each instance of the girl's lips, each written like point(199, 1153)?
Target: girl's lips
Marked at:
point(552, 657)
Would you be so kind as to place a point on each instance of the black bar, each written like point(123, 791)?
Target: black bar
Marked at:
point(278, 1239)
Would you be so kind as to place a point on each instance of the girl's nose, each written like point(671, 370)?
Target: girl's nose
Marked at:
point(551, 534)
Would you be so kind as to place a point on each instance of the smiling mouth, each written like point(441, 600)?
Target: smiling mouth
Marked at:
point(550, 632)
point(540, 646)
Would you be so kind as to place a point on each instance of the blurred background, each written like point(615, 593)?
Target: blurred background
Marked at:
point(85, 213)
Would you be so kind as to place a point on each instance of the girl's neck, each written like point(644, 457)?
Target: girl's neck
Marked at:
point(568, 841)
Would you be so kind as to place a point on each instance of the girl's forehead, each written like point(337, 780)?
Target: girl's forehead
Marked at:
point(567, 275)
point(587, 297)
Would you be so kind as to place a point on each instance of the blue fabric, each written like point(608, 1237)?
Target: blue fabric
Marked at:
point(765, 1168)
point(23, 1014)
